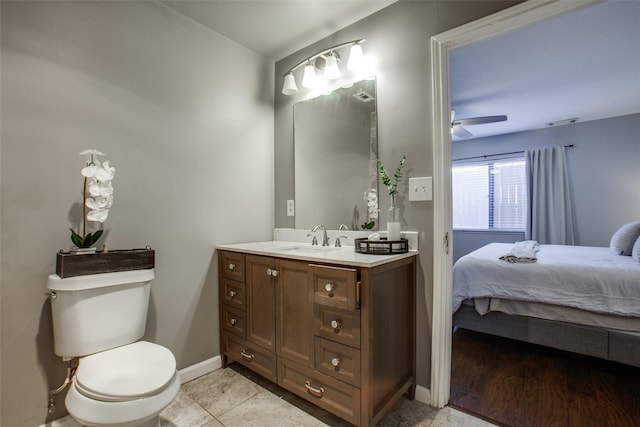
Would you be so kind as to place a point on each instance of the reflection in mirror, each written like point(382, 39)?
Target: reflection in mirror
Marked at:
point(336, 154)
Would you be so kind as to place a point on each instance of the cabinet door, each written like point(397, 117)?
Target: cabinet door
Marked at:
point(261, 297)
point(294, 306)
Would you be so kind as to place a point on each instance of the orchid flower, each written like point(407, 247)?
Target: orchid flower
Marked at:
point(97, 184)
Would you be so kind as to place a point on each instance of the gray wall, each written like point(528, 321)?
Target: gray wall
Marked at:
point(185, 116)
point(398, 41)
point(603, 169)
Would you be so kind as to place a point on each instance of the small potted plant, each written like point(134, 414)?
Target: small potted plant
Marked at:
point(97, 196)
point(393, 214)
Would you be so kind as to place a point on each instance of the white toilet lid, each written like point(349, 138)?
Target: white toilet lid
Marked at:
point(124, 373)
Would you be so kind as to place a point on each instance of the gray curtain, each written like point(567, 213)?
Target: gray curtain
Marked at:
point(550, 219)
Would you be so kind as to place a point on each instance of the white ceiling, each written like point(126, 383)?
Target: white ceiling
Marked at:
point(585, 64)
point(277, 28)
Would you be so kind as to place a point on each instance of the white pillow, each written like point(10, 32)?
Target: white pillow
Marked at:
point(623, 240)
point(635, 253)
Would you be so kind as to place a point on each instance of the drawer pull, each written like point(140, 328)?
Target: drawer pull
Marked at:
point(336, 361)
point(233, 321)
point(336, 323)
point(317, 392)
point(329, 287)
point(232, 294)
point(232, 267)
point(247, 356)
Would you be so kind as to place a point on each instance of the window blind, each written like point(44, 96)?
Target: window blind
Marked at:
point(490, 194)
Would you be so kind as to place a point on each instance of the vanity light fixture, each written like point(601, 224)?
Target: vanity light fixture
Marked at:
point(309, 79)
point(290, 87)
point(327, 59)
point(331, 70)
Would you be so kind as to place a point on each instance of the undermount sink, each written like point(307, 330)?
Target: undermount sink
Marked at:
point(310, 249)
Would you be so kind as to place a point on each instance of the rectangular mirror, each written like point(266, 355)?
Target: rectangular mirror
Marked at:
point(335, 159)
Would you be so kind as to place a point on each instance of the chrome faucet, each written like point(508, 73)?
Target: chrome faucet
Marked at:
point(325, 238)
point(343, 227)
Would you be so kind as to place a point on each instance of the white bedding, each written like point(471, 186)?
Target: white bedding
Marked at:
point(583, 277)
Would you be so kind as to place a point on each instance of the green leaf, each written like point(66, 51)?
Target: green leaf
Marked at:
point(91, 238)
point(97, 235)
point(76, 238)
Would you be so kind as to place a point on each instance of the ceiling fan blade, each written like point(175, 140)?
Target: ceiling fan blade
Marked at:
point(461, 132)
point(480, 120)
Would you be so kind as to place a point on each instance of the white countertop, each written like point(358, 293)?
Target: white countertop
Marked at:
point(306, 252)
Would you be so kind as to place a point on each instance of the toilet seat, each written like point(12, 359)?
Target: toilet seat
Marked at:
point(133, 371)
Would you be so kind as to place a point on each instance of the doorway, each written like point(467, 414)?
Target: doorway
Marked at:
point(517, 17)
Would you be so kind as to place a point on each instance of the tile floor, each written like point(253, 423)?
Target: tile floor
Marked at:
point(236, 397)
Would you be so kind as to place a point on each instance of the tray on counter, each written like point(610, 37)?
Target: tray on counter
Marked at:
point(382, 246)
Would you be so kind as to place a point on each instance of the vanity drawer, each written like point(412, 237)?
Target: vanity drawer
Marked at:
point(252, 356)
point(328, 393)
point(234, 321)
point(338, 325)
point(232, 266)
point(234, 293)
point(334, 286)
point(337, 360)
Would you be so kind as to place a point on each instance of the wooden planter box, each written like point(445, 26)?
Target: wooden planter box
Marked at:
point(68, 265)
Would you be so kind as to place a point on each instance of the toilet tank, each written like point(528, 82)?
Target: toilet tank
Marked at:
point(98, 312)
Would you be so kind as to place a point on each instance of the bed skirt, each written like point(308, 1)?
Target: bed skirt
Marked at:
point(618, 346)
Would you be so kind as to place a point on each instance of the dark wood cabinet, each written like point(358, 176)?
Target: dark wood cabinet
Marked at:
point(339, 336)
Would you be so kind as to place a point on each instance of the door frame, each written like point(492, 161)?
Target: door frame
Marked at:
point(515, 18)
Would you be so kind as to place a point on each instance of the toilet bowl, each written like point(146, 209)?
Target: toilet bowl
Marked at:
point(125, 386)
point(120, 381)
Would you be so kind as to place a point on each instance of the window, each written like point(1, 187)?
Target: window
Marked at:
point(489, 195)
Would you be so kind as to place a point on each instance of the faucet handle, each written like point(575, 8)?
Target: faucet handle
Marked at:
point(314, 241)
point(338, 244)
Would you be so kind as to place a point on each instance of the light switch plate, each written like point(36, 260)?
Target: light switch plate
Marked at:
point(420, 189)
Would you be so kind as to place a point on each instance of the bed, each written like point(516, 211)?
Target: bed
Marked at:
point(575, 298)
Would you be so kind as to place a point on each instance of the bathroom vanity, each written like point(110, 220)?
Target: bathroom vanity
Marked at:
point(335, 327)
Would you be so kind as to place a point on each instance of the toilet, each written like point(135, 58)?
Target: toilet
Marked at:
point(120, 380)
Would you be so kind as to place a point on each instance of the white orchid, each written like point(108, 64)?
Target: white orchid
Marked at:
point(97, 184)
point(371, 196)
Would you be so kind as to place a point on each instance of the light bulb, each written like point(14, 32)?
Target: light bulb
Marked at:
point(289, 88)
point(331, 70)
point(356, 58)
point(309, 78)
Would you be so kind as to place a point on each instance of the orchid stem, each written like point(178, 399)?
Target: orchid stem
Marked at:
point(84, 208)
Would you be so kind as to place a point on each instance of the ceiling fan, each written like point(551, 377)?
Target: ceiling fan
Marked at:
point(460, 132)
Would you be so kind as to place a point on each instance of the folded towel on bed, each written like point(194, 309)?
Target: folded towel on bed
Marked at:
point(522, 252)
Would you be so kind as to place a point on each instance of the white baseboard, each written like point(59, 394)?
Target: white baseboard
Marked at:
point(199, 369)
point(423, 395)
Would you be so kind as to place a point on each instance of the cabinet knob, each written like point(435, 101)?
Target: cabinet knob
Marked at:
point(272, 273)
point(232, 267)
point(336, 361)
point(232, 294)
point(335, 323)
point(329, 287)
point(233, 321)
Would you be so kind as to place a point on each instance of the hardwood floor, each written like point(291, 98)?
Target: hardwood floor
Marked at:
point(518, 384)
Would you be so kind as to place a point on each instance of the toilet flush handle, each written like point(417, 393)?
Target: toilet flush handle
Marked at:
point(53, 295)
